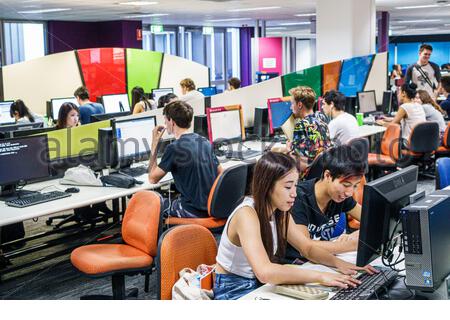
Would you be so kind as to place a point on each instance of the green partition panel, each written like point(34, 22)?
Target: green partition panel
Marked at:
point(311, 77)
point(74, 142)
point(143, 69)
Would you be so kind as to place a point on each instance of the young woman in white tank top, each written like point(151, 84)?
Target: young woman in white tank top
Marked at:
point(409, 114)
point(255, 236)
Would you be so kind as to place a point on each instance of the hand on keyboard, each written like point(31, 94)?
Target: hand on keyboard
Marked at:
point(338, 280)
point(351, 269)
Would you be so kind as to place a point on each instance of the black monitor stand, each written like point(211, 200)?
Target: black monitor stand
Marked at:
point(10, 192)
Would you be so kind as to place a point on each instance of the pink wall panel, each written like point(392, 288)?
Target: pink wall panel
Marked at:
point(103, 71)
point(271, 48)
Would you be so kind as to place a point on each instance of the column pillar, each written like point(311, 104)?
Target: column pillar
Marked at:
point(383, 31)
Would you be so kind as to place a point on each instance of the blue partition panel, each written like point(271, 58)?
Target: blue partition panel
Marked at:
point(354, 73)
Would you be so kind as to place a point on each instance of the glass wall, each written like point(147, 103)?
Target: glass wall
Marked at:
point(219, 50)
point(23, 41)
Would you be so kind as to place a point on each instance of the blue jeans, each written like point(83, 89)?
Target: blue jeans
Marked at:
point(232, 287)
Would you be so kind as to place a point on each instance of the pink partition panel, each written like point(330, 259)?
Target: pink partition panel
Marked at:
point(103, 71)
point(271, 55)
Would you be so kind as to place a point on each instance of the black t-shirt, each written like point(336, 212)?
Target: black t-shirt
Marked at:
point(194, 168)
point(321, 226)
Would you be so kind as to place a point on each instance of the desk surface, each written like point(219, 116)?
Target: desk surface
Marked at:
point(267, 291)
point(366, 131)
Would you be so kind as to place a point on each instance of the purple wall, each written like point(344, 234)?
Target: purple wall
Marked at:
point(383, 31)
point(246, 34)
point(70, 35)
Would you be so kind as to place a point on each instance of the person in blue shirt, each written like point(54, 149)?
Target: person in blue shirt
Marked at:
point(87, 108)
point(445, 83)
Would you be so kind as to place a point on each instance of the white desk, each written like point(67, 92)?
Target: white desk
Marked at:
point(367, 131)
point(267, 291)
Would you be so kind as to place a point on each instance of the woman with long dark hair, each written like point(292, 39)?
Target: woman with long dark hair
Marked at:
point(21, 113)
point(139, 102)
point(256, 234)
point(68, 116)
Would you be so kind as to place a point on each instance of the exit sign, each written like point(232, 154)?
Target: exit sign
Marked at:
point(208, 30)
point(156, 28)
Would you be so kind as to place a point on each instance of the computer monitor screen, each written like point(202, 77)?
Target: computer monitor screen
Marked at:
point(107, 116)
point(133, 138)
point(23, 159)
point(279, 112)
point(57, 103)
point(387, 101)
point(367, 102)
point(208, 91)
point(30, 132)
point(5, 116)
point(158, 93)
point(116, 103)
point(225, 123)
point(383, 198)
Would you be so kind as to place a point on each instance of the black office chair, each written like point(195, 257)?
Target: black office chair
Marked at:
point(315, 168)
point(360, 151)
point(85, 215)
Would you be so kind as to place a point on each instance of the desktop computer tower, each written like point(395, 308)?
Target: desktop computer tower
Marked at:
point(261, 122)
point(426, 231)
point(107, 148)
point(201, 125)
point(350, 105)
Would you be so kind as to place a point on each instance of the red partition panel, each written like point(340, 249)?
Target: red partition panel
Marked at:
point(103, 71)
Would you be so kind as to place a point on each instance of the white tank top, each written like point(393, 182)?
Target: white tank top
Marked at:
point(416, 114)
point(232, 257)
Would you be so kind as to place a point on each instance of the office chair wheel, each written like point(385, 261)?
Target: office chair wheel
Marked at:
point(49, 221)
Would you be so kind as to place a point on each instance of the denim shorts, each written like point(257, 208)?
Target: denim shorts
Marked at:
point(232, 287)
point(175, 209)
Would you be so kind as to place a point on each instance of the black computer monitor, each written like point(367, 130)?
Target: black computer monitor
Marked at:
point(225, 124)
point(367, 102)
point(133, 138)
point(30, 132)
point(383, 198)
point(387, 102)
point(279, 111)
point(5, 115)
point(114, 103)
point(208, 91)
point(22, 159)
point(55, 105)
point(158, 93)
point(6, 131)
point(108, 116)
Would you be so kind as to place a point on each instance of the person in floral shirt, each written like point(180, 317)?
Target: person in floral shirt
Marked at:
point(311, 134)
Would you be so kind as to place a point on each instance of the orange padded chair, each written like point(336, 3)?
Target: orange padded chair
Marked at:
point(444, 149)
point(226, 193)
point(140, 229)
point(390, 151)
point(182, 247)
point(358, 196)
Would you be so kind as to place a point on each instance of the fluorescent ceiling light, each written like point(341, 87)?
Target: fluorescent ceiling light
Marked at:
point(423, 6)
point(274, 32)
point(148, 15)
point(253, 9)
point(276, 28)
point(418, 21)
point(138, 3)
point(305, 15)
point(230, 19)
point(295, 23)
point(45, 10)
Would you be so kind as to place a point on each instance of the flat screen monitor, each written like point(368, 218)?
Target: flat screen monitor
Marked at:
point(6, 131)
point(367, 101)
point(5, 116)
point(108, 116)
point(114, 103)
point(208, 91)
point(225, 124)
point(30, 132)
point(279, 112)
point(56, 104)
point(387, 102)
point(23, 159)
point(383, 198)
point(133, 138)
point(158, 93)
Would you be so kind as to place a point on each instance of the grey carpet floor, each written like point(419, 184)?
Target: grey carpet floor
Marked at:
point(58, 279)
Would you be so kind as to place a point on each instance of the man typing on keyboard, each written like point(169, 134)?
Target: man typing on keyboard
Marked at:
point(190, 159)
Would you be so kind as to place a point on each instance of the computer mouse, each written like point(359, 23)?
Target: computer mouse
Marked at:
point(72, 190)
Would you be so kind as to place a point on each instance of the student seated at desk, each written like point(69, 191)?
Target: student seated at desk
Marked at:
point(139, 101)
point(191, 160)
point(87, 108)
point(188, 91)
point(433, 112)
point(322, 205)
point(445, 84)
point(311, 134)
point(343, 126)
point(409, 113)
point(166, 99)
point(22, 114)
point(68, 116)
point(255, 236)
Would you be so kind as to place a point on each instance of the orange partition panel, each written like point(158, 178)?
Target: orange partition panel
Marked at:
point(331, 72)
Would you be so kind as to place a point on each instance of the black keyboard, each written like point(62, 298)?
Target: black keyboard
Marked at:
point(35, 198)
point(134, 172)
point(371, 285)
point(242, 155)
